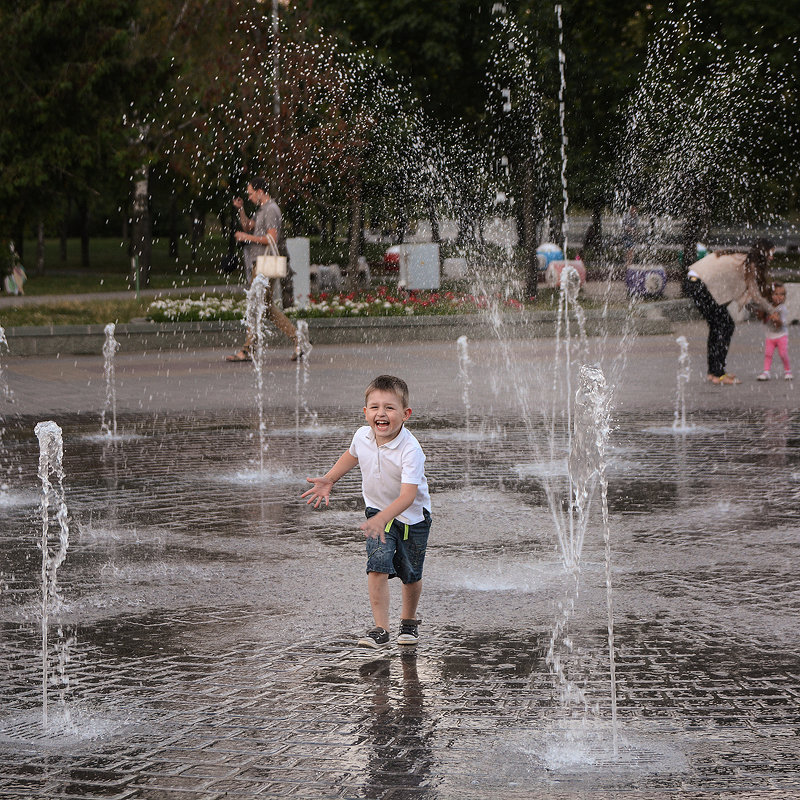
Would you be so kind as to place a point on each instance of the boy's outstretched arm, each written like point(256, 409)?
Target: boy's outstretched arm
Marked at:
point(374, 527)
point(323, 485)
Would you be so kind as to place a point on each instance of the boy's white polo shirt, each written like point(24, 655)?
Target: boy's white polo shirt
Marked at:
point(385, 467)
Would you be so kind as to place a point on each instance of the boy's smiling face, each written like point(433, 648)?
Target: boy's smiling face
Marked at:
point(385, 414)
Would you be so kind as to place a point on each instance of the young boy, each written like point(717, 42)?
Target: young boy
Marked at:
point(398, 505)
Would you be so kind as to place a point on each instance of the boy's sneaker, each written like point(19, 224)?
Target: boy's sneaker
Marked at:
point(409, 631)
point(787, 376)
point(376, 639)
point(764, 376)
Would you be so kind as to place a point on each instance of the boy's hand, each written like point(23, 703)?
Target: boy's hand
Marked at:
point(374, 529)
point(321, 491)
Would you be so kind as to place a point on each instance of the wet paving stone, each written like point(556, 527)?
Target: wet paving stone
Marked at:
point(204, 647)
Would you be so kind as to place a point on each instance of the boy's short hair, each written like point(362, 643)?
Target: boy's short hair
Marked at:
point(258, 183)
point(388, 383)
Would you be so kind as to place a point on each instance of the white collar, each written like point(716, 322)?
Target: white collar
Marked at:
point(394, 442)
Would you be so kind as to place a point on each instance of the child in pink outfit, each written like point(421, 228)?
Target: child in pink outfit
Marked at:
point(777, 334)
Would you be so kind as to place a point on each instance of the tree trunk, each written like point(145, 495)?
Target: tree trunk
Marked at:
point(174, 237)
point(198, 229)
point(84, 213)
point(434, 220)
point(40, 248)
point(19, 239)
point(141, 229)
point(65, 231)
point(126, 228)
point(690, 236)
point(593, 238)
point(530, 224)
point(323, 225)
point(356, 234)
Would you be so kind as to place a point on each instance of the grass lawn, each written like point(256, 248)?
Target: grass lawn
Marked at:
point(92, 312)
point(109, 267)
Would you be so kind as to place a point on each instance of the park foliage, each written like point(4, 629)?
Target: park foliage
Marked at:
point(138, 119)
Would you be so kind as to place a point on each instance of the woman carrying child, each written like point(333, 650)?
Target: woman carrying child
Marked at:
point(719, 279)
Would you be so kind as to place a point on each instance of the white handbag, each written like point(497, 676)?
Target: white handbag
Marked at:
point(273, 265)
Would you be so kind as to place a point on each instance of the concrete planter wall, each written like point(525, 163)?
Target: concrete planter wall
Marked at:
point(143, 336)
point(133, 337)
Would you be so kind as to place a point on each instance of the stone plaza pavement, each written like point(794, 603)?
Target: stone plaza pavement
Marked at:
point(204, 645)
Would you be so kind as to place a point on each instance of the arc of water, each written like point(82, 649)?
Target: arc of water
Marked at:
point(593, 420)
point(562, 404)
point(110, 347)
point(51, 455)
point(587, 468)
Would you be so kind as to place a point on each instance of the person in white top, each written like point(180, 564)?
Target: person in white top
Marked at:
point(777, 333)
point(716, 281)
point(258, 234)
point(397, 502)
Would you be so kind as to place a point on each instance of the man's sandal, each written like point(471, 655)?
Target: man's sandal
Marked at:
point(239, 355)
point(725, 380)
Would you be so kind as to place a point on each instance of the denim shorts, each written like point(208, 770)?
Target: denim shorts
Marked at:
point(397, 556)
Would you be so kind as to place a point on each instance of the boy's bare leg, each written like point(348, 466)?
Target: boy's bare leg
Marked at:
point(411, 593)
point(378, 585)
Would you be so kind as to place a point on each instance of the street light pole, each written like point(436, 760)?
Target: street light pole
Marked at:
point(276, 99)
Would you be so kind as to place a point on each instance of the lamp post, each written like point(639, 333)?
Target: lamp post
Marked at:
point(276, 97)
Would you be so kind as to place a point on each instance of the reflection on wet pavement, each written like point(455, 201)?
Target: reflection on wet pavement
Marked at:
point(206, 636)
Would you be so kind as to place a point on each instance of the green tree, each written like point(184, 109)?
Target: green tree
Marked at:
point(181, 50)
point(65, 74)
point(440, 49)
point(700, 145)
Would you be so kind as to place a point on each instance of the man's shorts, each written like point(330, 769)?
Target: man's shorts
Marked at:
point(399, 556)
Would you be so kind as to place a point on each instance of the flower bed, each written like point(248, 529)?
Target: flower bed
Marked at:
point(380, 303)
point(204, 309)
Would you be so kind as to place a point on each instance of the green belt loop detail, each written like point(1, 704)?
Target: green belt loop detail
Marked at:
point(389, 527)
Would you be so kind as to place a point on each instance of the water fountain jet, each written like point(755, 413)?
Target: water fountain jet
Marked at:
point(680, 425)
point(255, 315)
point(110, 347)
point(302, 376)
point(51, 455)
point(463, 374)
point(5, 389)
